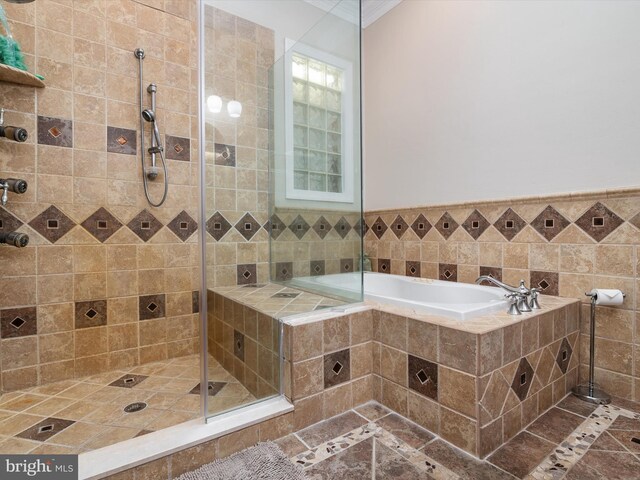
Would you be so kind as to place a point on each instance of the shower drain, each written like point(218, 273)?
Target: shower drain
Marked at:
point(135, 407)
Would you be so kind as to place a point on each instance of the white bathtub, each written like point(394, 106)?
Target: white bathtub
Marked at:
point(459, 301)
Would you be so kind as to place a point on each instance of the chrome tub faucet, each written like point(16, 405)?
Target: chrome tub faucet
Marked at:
point(522, 299)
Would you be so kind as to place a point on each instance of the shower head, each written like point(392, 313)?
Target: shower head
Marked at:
point(149, 116)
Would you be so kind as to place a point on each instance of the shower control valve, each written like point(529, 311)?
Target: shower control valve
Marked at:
point(14, 185)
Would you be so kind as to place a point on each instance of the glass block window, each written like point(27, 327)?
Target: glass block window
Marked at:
point(319, 129)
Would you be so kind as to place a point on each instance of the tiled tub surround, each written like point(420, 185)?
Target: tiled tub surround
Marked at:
point(76, 301)
point(476, 383)
point(566, 244)
point(246, 343)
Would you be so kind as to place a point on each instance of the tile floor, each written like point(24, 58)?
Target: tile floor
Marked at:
point(572, 440)
point(83, 414)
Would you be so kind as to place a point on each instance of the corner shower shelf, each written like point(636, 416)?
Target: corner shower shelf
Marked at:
point(20, 77)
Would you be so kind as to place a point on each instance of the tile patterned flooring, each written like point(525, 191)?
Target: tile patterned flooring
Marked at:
point(573, 440)
point(75, 416)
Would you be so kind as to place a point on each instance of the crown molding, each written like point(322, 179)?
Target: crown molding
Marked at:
point(372, 10)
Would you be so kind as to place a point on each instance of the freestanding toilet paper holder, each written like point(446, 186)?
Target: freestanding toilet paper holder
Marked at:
point(590, 392)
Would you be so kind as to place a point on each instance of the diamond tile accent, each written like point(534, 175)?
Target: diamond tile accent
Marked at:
point(384, 265)
point(599, 221)
point(299, 227)
point(399, 226)
point(342, 227)
point(102, 225)
point(18, 322)
point(412, 269)
point(421, 226)
point(183, 226)
point(129, 381)
point(379, 227)
point(361, 228)
point(246, 274)
point(423, 376)
point(322, 227)
point(45, 429)
point(145, 225)
point(550, 223)
point(494, 272)
point(475, 224)
point(275, 227)
point(8, 223)
point(509, 224)
point(213, 388)
point(90, 314)
point(346, 265)
point(547, 281)
point(55, 131)
point(122, 140)
point(316, 267)
point(635, 221)
point(247, 226)
point(284, 271)
point(522, 379)
point(238, 345)
point(285, 295)
point(52, 224)
point(446, 225)
point(225, 155)
point(564, 355)
point(337, 368)
point(218, 226)
point(151, 306)
point(178, 148)
point(448, 272)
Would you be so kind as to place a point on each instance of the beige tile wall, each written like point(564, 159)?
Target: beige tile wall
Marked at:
point(238, 54)
point(84, 49)
point(572, 260)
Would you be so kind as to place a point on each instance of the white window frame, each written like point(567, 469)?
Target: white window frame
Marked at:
point(291, 193)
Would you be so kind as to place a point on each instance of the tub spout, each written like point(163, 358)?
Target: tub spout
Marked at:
point(520, 293)
point(490, 279)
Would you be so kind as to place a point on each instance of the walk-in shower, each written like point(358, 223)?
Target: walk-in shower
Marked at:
point(150, 173)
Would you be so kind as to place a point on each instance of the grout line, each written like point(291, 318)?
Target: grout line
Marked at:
point(295, 434)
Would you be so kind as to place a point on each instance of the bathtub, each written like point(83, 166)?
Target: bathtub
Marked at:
point(459, 301)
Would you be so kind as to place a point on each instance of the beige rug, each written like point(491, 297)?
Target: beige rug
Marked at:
point(265, 461)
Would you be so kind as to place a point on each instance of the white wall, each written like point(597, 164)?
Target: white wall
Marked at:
point(472, 100)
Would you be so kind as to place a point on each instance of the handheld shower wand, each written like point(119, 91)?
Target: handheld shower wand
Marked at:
point(149, 115)
point(156, 147)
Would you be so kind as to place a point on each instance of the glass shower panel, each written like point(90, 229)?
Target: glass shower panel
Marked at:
point(243, 344)
point(315, 156)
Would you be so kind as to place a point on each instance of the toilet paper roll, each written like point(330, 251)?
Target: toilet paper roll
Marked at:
point(607, 296)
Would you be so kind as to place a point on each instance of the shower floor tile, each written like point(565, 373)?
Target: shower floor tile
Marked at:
point(88, 413)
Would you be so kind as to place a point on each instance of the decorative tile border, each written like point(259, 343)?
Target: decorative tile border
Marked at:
point(598, 222)
point(53, 224)
point(339, 444)
point(574, 447)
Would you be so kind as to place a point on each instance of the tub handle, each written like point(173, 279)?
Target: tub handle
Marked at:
point(513, 303)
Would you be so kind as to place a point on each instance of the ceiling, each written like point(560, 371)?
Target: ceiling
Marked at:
point(372, 10)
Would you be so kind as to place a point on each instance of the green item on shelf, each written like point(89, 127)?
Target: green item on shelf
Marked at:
point(10, 53)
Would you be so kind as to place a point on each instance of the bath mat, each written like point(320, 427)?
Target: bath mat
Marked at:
point(265, 461)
